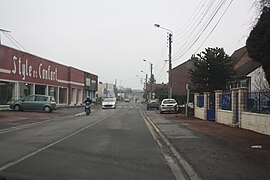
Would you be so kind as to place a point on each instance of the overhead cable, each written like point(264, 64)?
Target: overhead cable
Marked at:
point(214, 27)
point(201, 32)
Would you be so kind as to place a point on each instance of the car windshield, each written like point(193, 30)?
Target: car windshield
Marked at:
point(153, 101)
point(169, 101)
point(108, 100)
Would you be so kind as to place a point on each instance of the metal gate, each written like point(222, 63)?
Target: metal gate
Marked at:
point(211, 107)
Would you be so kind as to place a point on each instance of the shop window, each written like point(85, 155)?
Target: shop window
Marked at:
point(53, 91)
point(25, 89)
point(6, 92)
point(40, 89)
point(62, 95)
point(80, 94)
point(74, 95)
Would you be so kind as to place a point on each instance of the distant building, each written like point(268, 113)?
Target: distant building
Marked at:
point(181, 77)
point(155, 88)
point(106, 90)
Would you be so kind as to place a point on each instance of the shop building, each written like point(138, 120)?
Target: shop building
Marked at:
point(22, 74)
point(90, 86)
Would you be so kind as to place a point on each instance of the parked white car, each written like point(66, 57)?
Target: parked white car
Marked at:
point(168, 105)
point(109, 103)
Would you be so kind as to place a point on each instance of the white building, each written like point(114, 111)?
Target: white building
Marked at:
point(106, 90)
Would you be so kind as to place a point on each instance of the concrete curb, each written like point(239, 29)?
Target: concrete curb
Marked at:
point(80, 114)
point(186, 166)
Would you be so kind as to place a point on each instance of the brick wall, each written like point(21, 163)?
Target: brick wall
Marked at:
point(181, 77)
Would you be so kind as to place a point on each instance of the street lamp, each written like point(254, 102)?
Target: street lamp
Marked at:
point(170, 59)
point(151, 76)
point(145, 84)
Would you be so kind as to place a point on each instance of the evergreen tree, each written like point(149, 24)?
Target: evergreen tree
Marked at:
point(152, 79)
point(212, 70)
point(258, 42)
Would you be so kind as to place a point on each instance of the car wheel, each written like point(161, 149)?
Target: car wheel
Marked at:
point(47, 109)
point(17, 108)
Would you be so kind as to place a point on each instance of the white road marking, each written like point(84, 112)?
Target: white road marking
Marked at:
point(52, 144)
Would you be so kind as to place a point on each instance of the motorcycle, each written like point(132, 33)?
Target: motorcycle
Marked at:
point(87, 108)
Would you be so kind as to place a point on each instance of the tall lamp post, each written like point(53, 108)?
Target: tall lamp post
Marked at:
point(170, 59)
point(146, 97)
point(151, 76)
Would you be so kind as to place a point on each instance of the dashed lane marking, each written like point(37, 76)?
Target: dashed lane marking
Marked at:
point(6, 166)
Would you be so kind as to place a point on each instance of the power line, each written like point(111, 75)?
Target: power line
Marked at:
point(196, 24)
point(199, 34)
point(16, 42)
point(193, 36)
point(161, 71)
point(197, 21)
point(214, 26)
point(3, 30)
point(188, 22)
point(12, 41)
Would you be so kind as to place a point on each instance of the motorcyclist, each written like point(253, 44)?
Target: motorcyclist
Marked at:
point(88, 100)
point(87, 107)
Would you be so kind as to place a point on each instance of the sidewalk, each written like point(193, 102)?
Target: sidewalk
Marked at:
point(10, 118)
point(216, 151)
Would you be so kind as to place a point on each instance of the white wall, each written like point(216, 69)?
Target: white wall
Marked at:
point(199, 112)
point(257, 80)
point(256, 122)
point(224, 117)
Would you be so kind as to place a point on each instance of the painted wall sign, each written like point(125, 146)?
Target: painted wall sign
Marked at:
point(24, 69)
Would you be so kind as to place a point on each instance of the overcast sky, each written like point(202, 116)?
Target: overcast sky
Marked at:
point(110, 38)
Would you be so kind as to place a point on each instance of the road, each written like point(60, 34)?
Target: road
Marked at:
point(108, 144)
point(127, 143)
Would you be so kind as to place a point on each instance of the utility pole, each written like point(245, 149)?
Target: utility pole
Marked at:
point(151, 78)
point(170, 66)
point(146, 87)
point(151, 83)
point(187, 104)
point(170, 59)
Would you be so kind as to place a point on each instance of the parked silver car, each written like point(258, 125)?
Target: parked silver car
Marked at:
point(168, 105)
point(34, 103)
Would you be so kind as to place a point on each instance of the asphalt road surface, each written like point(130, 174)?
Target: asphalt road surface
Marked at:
point(108, 144)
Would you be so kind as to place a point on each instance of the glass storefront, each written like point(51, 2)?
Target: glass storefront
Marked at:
point(25, 89)
point(11, 91)
point(40, 89)
point(62, 95)
point(53, 91)
point(6, 92)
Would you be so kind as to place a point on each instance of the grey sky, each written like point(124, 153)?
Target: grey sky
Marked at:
point(111, 37)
